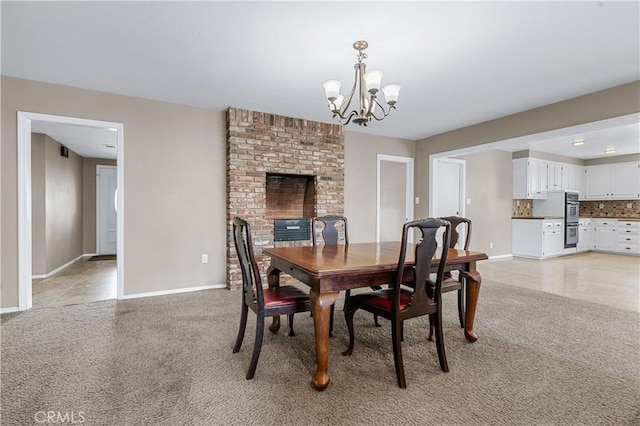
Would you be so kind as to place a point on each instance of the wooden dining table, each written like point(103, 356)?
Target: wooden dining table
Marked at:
point(327, 270)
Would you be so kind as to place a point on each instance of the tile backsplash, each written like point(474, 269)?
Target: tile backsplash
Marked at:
point(522, 208)
point(610, 208)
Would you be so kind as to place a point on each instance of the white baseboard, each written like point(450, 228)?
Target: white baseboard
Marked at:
point(59, 268)
point(9, 310)
point(501, 256)
point(174, 291)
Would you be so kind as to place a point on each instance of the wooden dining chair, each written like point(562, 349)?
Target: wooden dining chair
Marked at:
point(272, 301)
point(331, 226)
point(399, 302)
point(449, 282)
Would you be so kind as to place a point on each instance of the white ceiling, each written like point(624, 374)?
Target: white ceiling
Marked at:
point(90, 142)
point(459, 63)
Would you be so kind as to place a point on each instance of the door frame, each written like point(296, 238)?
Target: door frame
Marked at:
point(24, 198)
point(98, 167)
point(409, 194)
point(434, 180)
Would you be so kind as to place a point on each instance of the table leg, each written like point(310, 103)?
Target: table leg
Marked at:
point(321, 307)
point(273, 279)
point(472, 292)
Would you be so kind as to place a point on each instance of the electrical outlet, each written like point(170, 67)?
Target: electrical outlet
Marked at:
point(517, 203)
point(601, 206)
point(468, 201)
point(491, 245)
point(205, 258)
point(417, 200)
point(629, 205)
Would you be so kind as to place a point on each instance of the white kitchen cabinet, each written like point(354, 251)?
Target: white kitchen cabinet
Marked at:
point(585, 235)
point(529, 178)
point(613, 181)
point(628, 237)
point(555, 176)
point(605, 233)
point(573, 178)
point(537, 238)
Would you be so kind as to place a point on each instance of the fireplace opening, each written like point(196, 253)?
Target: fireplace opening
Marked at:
point(290, 196)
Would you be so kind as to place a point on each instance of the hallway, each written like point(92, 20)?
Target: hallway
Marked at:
point(83, 282)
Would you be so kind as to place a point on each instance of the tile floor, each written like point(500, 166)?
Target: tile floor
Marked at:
point(607, 279)
point(82, 282)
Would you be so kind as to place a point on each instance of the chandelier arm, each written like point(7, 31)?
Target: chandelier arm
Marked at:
point(345, 105)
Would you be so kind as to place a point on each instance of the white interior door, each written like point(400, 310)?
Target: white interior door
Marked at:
point(448, 189)
point(107, 223)
point(395, 196)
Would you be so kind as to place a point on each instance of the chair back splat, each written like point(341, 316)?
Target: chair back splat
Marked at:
point(410, 296)
point(251, 280)
point(331, 230)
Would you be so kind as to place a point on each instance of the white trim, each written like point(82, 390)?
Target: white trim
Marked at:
point(174, 291)
point(98, 168)
point(9, 310)
point(24, 198)
point(59, 268)
point(409, 195)
point(501, 256)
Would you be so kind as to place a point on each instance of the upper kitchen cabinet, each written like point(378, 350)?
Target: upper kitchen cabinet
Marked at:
point(533, 177)
point(529, 178)
point(619, 181)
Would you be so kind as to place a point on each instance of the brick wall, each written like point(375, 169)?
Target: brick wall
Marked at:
point(260, 143)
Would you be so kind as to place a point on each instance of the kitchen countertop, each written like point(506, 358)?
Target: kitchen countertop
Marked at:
point(630, 219)
point(539, 217)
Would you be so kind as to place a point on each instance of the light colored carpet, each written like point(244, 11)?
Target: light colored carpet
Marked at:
point(540, 359)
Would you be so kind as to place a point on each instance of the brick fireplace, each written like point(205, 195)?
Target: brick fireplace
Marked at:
point(279, 167)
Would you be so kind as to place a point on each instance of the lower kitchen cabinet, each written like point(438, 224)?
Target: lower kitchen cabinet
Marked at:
point(537, 238)
point(628, 237)
point(585, 236)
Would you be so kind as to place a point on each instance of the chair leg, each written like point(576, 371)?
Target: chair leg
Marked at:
point(461, 307)
point(291, 333)
point(243, 326)
point(396, 331)
point(375, 316)
point(348, 316)
point(431, 329)
point(256, 347)
point(442, 356)
point(333, 307)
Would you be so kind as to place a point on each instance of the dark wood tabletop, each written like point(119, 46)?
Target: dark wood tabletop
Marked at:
point(329, 269)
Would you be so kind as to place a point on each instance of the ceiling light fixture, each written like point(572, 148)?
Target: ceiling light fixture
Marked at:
point(610, 151)
point(578, 142)
point(109, 146)
point(365, 88)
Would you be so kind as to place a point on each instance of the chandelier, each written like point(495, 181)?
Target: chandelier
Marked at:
point(365, 88)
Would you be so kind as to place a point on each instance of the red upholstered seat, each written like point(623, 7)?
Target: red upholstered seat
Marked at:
point(383, 299)
point(285, 295)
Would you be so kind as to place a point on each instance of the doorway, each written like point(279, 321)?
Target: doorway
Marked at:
point(395, 196)
point(448, 188)
point(25, 120)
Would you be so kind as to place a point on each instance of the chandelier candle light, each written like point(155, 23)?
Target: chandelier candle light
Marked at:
point(366, 85)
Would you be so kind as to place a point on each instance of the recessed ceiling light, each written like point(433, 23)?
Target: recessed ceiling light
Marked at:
point(577, 142)
point(113, 129)
point(109, 146)
point(610, 151)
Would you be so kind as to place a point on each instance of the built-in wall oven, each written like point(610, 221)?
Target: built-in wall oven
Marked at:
point(571, 217)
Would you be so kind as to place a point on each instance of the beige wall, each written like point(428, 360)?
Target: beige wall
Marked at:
point(491, 204)
point(63, 205)
point(38, 205)
point(174, 184)
point(360, 164)
point(611, 160)
point(89, 201)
